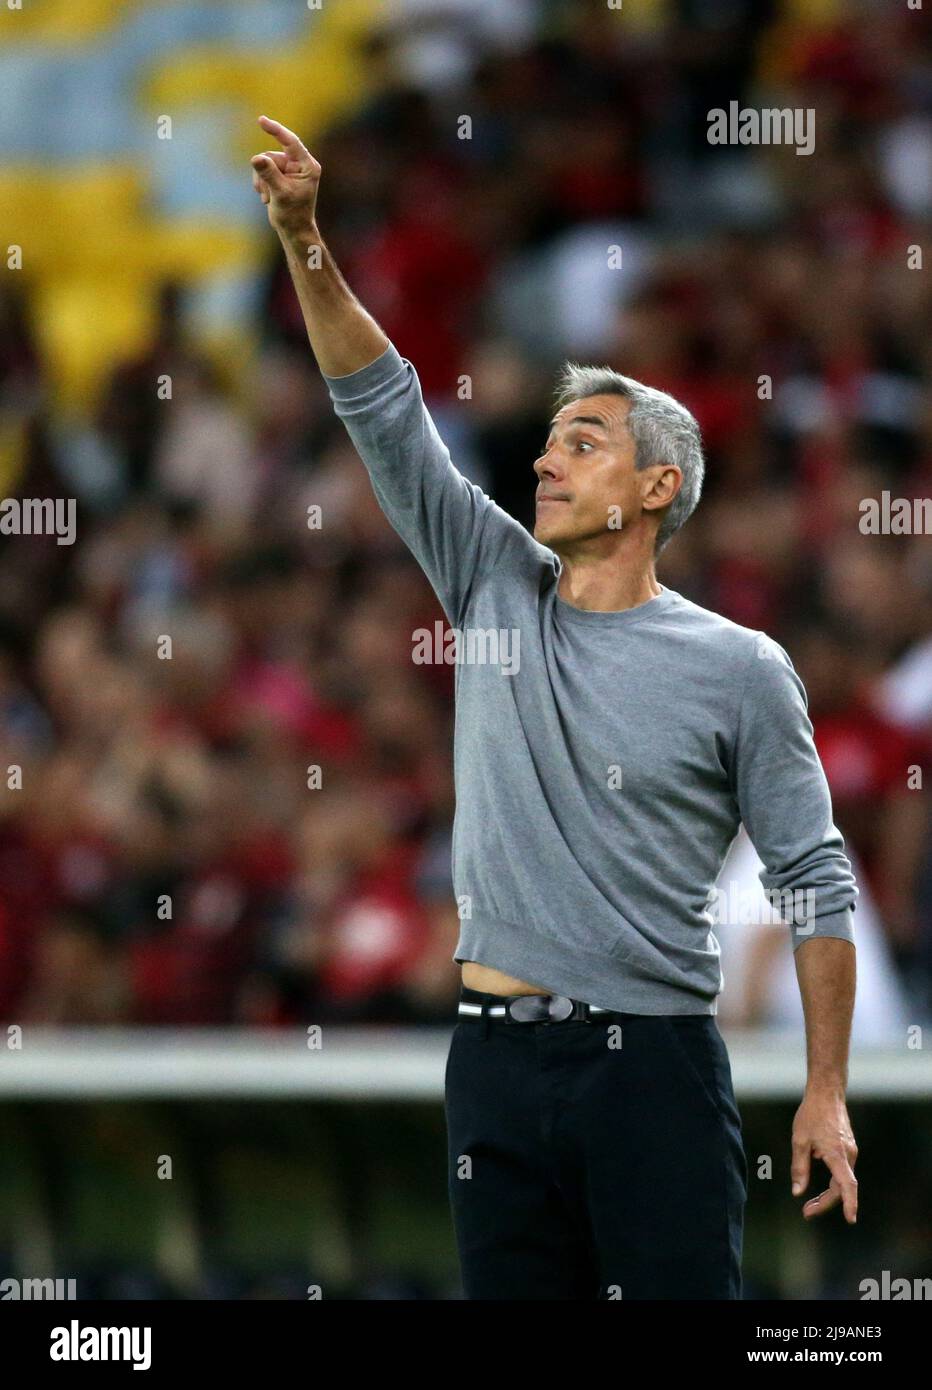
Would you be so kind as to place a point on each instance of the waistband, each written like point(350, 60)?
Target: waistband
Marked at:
point(529, 1008)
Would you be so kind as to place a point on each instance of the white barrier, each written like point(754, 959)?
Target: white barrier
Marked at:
point(360, 1064)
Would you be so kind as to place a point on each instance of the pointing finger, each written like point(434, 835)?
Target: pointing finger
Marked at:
point(287, 138)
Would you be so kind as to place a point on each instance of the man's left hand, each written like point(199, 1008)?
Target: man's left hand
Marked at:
point(822, 1130)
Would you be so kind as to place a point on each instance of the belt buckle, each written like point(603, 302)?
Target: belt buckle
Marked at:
point(560, 1008)
point(540, 1008)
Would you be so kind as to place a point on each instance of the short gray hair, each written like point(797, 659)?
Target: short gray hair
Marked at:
point(663, 431)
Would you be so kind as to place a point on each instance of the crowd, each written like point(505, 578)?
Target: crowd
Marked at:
point(226, 791)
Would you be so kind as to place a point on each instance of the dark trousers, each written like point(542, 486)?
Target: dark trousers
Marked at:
point(594, 1159)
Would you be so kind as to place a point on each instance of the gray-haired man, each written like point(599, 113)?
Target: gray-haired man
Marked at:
point(594, 1142)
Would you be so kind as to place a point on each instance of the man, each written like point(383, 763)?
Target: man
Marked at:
point(602, 772)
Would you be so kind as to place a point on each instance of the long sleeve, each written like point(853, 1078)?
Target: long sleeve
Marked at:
point(449, 524)
point(785, 804)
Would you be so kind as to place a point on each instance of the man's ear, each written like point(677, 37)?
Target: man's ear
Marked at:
point(665, 481)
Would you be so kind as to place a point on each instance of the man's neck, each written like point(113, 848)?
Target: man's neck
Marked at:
point(602, 588)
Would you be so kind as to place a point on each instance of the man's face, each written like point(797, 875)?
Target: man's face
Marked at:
point(588, 484)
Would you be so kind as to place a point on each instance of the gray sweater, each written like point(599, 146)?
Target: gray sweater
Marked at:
point(603, 761)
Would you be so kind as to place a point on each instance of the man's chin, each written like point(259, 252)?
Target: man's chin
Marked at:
point(553, 535)
point(550, 534)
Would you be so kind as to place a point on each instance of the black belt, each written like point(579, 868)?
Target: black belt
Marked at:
point(531, 1008)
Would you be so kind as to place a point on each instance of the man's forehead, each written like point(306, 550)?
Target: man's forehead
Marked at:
point(604, 411)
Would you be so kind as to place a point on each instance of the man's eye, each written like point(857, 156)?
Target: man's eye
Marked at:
point(584, 444)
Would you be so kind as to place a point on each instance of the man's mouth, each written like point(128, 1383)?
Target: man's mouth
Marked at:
point(544, 498)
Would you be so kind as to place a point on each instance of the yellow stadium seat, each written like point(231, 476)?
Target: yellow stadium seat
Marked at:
point(191, 249)
point(86, 326)
point(97, 251)
point(57, 21)
point(305, 86)
point(13, 452)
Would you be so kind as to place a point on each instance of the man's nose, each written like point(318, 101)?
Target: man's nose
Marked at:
point(547, 465)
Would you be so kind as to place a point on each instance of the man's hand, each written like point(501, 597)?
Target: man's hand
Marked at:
point(343, 336)
point(822, 1130)
point(286, 180)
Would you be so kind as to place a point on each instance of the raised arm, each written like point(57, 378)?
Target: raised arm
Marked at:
point(343, 336)
point(454, 530)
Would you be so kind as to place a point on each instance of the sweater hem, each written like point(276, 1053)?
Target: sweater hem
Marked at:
point(598, 980)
